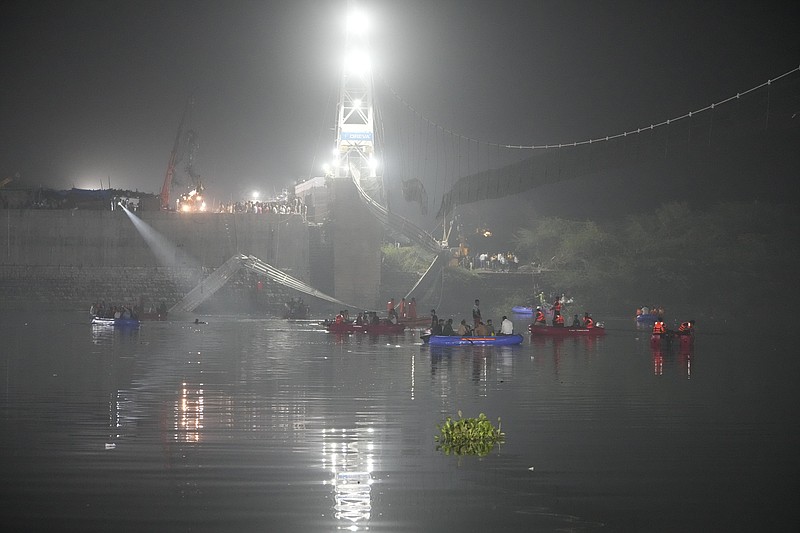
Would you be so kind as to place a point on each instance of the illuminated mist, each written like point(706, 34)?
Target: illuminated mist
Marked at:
point(166, 253)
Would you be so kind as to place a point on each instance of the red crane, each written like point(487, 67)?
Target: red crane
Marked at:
point(173, 159)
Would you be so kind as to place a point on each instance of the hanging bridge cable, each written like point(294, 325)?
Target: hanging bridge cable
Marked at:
point(637, 131)
point(330, 104)
point(438, 173)
point(420, 160)
point(452, 161)
point(711, 128)
point(431, 166)
point(766, 120)
point(423, 163)
point(381, 146)
point(459, 156)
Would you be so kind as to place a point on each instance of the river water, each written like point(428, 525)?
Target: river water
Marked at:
point(246, 424)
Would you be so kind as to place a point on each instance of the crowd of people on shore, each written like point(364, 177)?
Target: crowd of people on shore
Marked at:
point(289, 206)
point(496, 262)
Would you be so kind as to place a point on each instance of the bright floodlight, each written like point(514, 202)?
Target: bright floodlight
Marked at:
point(255, 195)
point(357, 62)
point(357, 23)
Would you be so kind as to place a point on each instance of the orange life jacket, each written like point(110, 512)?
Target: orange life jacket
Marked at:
point(588, 322)
point(559, 320)
point(539, 316)
point(685, 327)
point(659, 328)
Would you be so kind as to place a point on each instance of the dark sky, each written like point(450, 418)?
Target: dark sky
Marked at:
point(93, 90)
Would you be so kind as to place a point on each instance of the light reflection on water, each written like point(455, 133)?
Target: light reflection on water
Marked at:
point(253, 424)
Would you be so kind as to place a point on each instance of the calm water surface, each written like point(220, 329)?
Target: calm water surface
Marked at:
point(248, 424)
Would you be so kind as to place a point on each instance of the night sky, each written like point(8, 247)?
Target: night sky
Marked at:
point(94, 91)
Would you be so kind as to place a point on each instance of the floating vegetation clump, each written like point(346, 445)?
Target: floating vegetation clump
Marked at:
point(468, 436)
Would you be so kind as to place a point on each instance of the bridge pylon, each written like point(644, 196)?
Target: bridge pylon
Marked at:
point(354, 154)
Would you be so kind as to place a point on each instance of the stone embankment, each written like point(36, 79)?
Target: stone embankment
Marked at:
point(71, 258)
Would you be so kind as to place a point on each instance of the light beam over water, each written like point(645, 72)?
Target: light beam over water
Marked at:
point(166, 253)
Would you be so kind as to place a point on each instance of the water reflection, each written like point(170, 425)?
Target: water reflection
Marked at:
point(189, 414)
point(103, 335)
point(658, 362)
point(237, 426)
point(559, 347)
point(683, 359)
point(483, 367)
point(349, 455)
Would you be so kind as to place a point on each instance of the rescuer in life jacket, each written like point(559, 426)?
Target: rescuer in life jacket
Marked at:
point(659, 328)
point(557, 305)
point(558, 320)
point(686, 328)
point(588, 321)
point(539, 318)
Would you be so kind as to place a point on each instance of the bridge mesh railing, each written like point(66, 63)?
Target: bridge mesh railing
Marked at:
point(257, 265)
point(206, 288)
point(403, 225)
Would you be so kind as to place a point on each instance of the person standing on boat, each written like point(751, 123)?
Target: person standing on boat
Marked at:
point(412, 309)
point(434, 319)
point(539, 318)
point(476, 314)
point(557, 305)
point(448, 328)
point(390, 306)
point(401, 309)
point(506, 326)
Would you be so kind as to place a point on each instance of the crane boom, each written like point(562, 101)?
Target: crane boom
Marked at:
point(173, 157)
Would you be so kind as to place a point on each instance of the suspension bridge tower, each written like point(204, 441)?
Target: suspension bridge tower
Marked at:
point(347, 260)
point(354, 153)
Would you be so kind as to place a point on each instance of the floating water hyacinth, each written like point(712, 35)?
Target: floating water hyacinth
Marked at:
point(469, 436)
